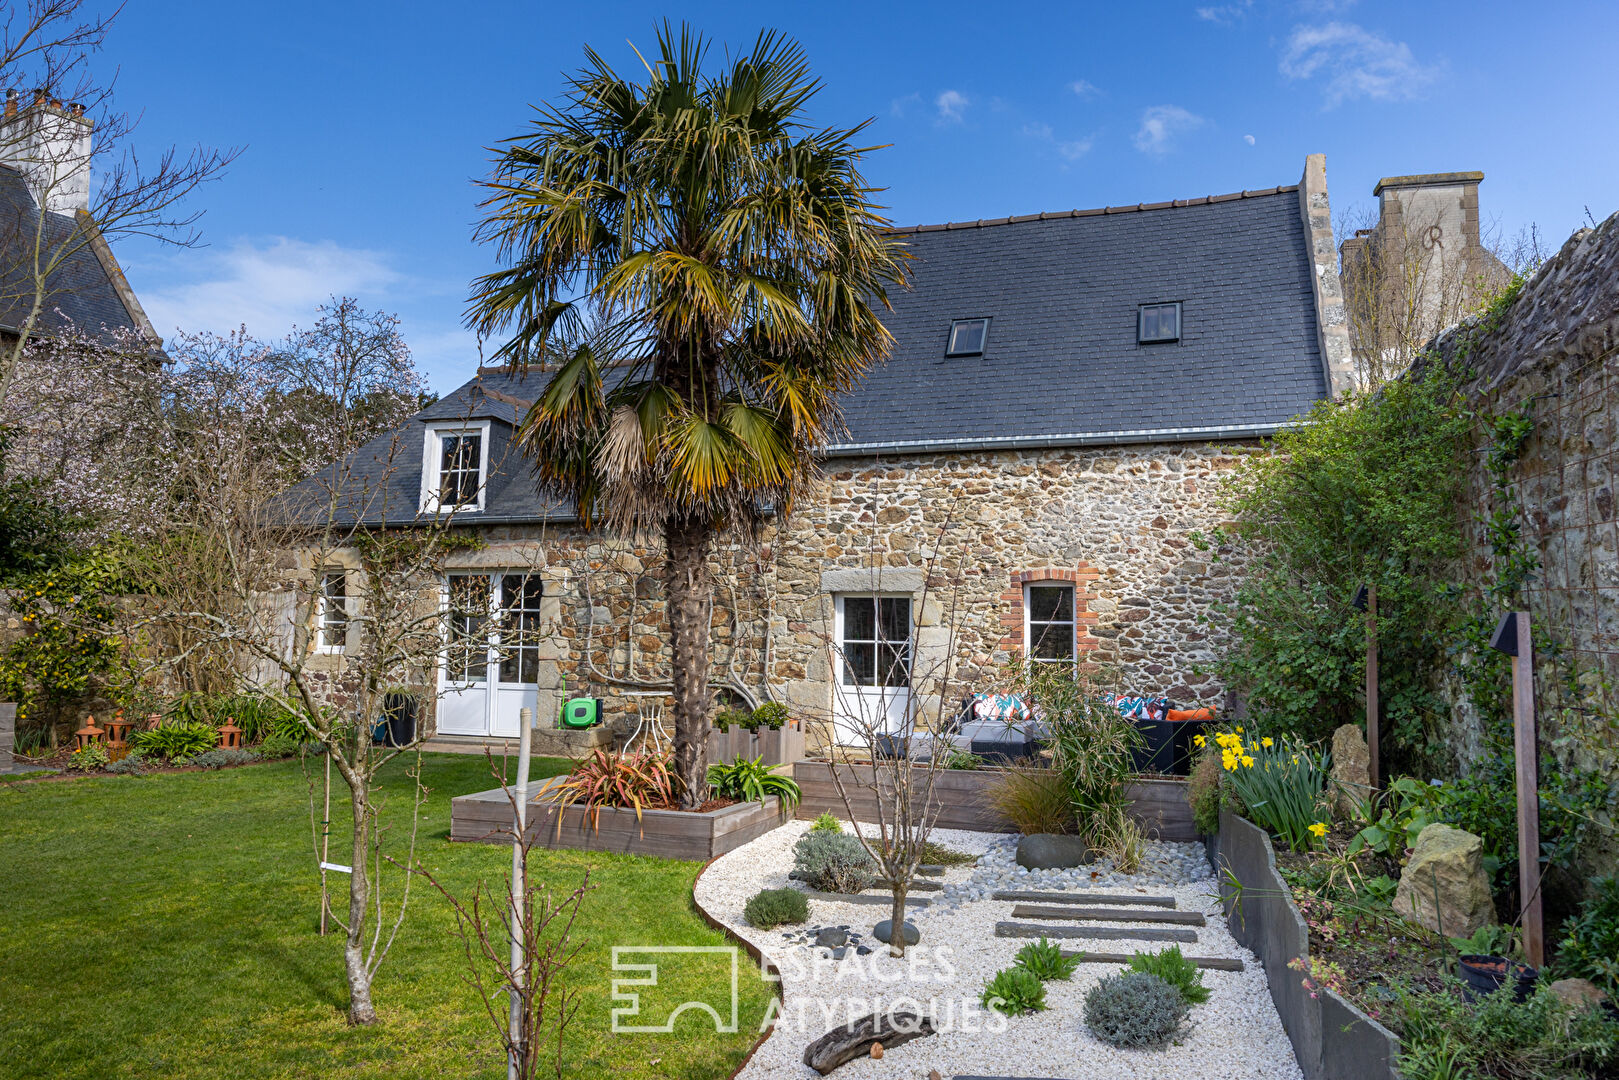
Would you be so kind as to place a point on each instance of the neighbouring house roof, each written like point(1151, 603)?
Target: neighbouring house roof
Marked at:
point(1061, 364)
point(87, 289)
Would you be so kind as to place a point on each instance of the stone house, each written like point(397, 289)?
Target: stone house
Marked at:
point(1031, 468)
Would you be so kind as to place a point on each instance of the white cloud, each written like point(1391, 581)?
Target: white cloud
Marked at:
point(951, 104)
point(901, 105)
point(1225, 13)
point(1037, 130)
point(1161, 125)
point(1355, 63)
point(1074, 149)
point(1086, 90)
point(1249, 139)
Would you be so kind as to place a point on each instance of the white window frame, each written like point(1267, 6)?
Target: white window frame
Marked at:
point(322, 598)
point(433, 457)
point(1029, 620)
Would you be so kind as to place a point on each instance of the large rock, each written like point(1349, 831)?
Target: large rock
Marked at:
point(907, 930)
point(1444, 886)
point(1580, 993)
point(1053, 851)
point(1351, 771)
point(848, 1041)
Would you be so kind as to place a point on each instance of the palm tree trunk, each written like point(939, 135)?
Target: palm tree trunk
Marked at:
point(690, 595)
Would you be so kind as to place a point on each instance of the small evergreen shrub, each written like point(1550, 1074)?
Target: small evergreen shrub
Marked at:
point(826, 823)
point(219, 759)
point(727, 719)
point(87, 758)
point(751, 780)
point(1590, 950)
point(774, 907)
point(278, 746)
point(963, 759)
point(833, 862)
point(1044, 960)
point(1176, 970)
point(1443, 1037)
point(1134, 1009)
point(772, 714)
point(1014, 991)
point(133, 764)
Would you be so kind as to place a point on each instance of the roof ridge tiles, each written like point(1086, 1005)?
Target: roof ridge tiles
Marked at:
point(1053, 215)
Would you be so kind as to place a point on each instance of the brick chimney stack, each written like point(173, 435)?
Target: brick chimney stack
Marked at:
point(49, 143)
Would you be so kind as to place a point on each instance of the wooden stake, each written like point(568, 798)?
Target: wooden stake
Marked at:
point(1526, 748)
point(325, 837)
point(1371, 685)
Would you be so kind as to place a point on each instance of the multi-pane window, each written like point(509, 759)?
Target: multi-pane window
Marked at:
point(1049, 623)
point(334, 609)
point(520, 628)
point(467, 659)
point(1158, 323)
point(460, 468)
point(967, 337)
point(876, 641)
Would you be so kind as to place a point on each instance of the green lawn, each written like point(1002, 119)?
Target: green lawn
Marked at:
point(165, 926)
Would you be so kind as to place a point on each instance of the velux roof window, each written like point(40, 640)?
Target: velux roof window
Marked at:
point(1158, 323)
point(967, 337)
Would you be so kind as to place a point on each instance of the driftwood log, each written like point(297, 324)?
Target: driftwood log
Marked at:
point(848, 1041)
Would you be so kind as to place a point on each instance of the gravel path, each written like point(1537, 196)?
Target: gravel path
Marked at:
point(1235, 1035)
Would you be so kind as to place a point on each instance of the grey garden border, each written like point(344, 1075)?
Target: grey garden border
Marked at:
point(1331, 1038)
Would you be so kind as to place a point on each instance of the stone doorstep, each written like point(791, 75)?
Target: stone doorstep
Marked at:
point(1034, 896)
point(1040, 911)
point(864, 898)
point(1212, 963)
point(1095, 933)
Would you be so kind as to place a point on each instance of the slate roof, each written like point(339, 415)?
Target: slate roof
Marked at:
point(1061, 364)
point(81, 288)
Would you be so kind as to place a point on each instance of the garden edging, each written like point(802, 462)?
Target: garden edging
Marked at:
point(752, 950)
point(1332, 1039)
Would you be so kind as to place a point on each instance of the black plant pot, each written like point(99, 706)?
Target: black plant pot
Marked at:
point(1483, 975)
point(397, 726)
point(1157, 754)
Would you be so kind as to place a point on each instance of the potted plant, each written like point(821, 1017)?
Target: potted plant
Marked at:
point(1484, 965)
point(767, 731)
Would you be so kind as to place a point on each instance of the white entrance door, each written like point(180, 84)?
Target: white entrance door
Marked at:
point(490, 666)
point(873, 662)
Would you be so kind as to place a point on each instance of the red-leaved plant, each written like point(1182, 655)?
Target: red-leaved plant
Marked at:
point(640, 780)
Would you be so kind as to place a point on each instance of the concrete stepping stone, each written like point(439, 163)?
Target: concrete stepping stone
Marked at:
point(1212, 963)
point(1058, 911)
point(872, 899)
point(1097, 933)
point(1038, 897)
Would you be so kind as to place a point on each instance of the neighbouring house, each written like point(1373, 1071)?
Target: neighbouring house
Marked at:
point(1065, 392)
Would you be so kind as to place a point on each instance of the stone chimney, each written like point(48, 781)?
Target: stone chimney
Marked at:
point(1331, 325)
point(49, 143)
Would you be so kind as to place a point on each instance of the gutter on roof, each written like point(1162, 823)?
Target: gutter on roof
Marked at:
point(1080, 438)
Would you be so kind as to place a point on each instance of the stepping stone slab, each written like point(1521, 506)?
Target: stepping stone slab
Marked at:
point(1212, 963)
point(931, 870)
point(1097, 933)
point(848, 1041)
point(1037, 897)
point(873, 899)
point(1062, 911)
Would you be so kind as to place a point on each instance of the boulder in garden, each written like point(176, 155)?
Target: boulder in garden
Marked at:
point(1351, 771)
point(907, 929)
point(1053, 851)
point(1444, 886)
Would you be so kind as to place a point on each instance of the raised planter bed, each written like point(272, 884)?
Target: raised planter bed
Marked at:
point(485, 817)
point(775, 745)
point(1332, 1039)
point(1159, 806)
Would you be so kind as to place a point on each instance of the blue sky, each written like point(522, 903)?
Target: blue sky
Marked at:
point(363, 125)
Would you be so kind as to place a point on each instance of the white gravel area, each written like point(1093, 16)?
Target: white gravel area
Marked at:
point(1236, 1034)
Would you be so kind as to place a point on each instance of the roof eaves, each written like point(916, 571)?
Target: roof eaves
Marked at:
point(1218, 433)
point(1053, 215)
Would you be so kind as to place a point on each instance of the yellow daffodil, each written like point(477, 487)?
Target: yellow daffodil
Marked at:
point(1319, 829)
point(1247, 761)
point(1239, 731)
point(1267, 742)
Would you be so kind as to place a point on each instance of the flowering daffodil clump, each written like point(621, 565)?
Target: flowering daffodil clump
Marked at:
point(1281, 784)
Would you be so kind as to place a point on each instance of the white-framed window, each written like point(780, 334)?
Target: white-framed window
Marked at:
point(967, 337)
point(455, 467)
point(874, 640)
point(332, 611)
point(1048, 622)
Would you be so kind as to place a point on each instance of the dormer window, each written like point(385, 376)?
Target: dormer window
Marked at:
point(967, 337)
point(1158, 323)
point(455, 467)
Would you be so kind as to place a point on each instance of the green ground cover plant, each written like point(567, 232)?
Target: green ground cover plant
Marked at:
point(164, 925)
point(1044, 960)
point(1134, 1009)
point(1015, 991)
point(768, 908)
point(1175, 969)
point(751, 780)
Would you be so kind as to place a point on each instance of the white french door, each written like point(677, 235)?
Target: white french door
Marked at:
point(871, 692)
point(490, 667)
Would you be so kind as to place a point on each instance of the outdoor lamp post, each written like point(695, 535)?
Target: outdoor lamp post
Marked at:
point(1366, 600)
point(1512, 638)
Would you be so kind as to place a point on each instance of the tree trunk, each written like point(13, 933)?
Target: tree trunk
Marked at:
point(360, 1009)
point(896, 927)
point(690, 594)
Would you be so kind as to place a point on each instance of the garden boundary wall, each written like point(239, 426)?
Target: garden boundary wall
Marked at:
point(1332, 1039)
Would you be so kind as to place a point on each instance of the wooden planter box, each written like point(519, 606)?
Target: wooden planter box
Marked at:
point(486, 817)
point(776, 745)
point(1159, 806)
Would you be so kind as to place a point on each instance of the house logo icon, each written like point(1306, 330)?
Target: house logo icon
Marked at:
point(627, 1015)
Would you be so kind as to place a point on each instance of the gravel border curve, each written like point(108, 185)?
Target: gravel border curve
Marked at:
point(1237, 1035)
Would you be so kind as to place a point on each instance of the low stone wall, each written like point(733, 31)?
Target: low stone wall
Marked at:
point(1332, 1039)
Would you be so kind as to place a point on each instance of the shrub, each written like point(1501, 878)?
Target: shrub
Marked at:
point(1442, 1037)
point(1014, 991)
point(1134, 1009)
point(963, 759)
point(772, 714)
point(1033, 799)
point(1203, 793)
point(726, 719)
point(86, 758)
point(939, 855)
point(636, 780)
point(773, 907)
point(826, 823)
point(1176, 970)
point(220, 759)
point(278, 746)
point(1590, 950)
point(132, 764)
point(1044, 960)
point(177, 740)
point(1281, 784)
point(833, 862)
point(751, 780)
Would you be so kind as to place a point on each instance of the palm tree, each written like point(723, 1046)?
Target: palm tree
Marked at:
point(728, 260)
